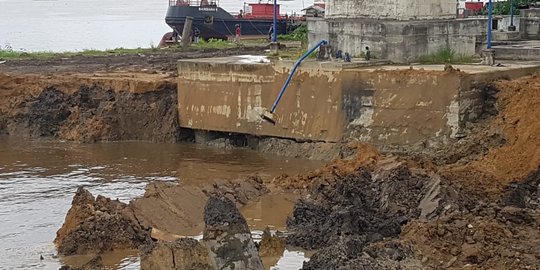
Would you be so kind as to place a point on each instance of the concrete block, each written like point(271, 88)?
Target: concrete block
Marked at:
point(505, 35)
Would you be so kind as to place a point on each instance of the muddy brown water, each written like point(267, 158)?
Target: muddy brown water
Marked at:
point(39, 177)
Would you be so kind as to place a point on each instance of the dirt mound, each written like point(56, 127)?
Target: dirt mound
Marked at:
point(396, 217)
point(98, 225)
point(487, 238)
point(501, 149)
point(525, 194)
point(350, 253)
point(519, 103)
point(360, 155)
point(369, 204)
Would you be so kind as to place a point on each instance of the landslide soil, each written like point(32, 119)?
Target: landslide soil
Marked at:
point(518, 154)
point(96, 98)
point(482, 211)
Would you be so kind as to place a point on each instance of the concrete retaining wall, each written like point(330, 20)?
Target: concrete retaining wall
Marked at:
point(385, 106)
point(399, 41)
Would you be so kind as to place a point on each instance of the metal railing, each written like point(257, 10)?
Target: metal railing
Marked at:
point(194, 3)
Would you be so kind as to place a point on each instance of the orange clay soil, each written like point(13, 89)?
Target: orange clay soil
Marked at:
point(519, 119)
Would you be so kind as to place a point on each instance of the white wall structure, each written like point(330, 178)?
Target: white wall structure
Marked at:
point(392, 9)
point(401, 31)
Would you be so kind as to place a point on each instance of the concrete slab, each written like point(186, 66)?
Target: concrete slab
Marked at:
point(504, 66)
point(518, 50)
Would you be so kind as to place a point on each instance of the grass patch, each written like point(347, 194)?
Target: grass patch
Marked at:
point(11, 54)
point(299, 34)
point(213, 44)
point(293, 54)
point(445, 56)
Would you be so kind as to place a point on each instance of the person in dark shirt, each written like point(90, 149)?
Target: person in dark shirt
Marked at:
point(368, 54)
point(271, 33)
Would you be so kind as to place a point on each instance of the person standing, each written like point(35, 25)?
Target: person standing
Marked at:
point(271, 33)
point(196, 35)
point(238, 33)
point(367, 56)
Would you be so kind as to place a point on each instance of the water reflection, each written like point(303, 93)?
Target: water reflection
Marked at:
point(38, 179)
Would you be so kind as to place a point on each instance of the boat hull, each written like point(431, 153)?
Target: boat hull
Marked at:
point(214, 22)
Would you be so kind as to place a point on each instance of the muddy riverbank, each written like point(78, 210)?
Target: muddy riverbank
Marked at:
point(472, 203)
point(377, 210)
point(38, 178)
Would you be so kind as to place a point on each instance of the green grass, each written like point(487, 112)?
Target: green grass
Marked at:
point(445, 56)
point(213, 44)
point(299, 34)
point(11, 54)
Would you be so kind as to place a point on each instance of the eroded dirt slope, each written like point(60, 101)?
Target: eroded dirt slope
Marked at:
point(377, 211)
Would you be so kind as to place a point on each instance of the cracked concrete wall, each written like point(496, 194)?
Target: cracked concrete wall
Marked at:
point(392, 9)
point(382, 107)
point(231, 97)
point(389, 107)
point(401, 107)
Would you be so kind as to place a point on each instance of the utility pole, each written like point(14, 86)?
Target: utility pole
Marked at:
point(490, 23)
point(512, 27)
point(274, 38)
point(489, 53)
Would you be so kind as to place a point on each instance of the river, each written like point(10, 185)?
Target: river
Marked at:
point(74, 25)
point(38, 179)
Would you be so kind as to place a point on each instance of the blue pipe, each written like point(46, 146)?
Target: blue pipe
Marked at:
point(298, 62)
point(490, 24)
point(274, 38)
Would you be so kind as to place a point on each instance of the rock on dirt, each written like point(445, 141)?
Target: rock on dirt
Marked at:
point(178, 209)
point(98, 225)
point(227, 236)
point(271, 245)
point(226, 244)
point(525, 194)
point(182, 254)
